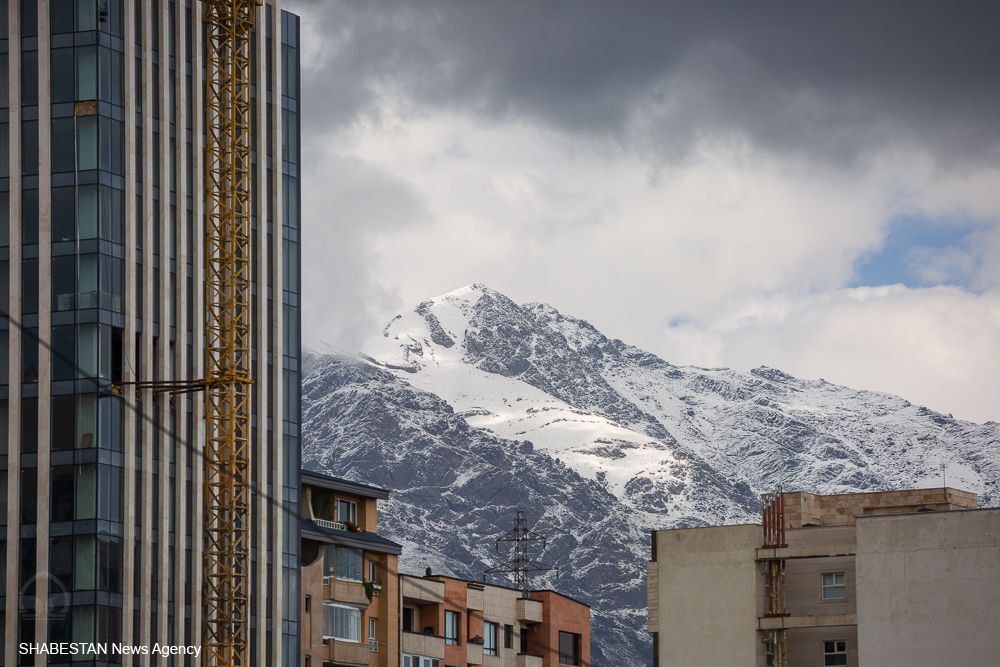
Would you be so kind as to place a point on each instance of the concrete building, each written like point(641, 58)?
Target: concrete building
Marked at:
point(869, 579)
point(350, 582)
point(101, 281)
point(448, 622)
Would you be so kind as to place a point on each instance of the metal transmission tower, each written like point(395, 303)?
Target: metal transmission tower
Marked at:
point(226, 619)
point(520, 565)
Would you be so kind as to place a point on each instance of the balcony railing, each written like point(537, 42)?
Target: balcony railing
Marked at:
point(373, 646)
point(335, 525)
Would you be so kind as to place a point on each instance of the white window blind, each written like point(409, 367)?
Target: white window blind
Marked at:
point(340, 622)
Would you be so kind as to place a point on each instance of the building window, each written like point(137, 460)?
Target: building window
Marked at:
point(347, 511)
point(372, 628)
point(451, 627)
point(308, 603)
point(490, 632)
point(834, 653)
point(420, 661)
point(569, 648)
point(372, 571)
point(833, 586)
point(340, 622)
point(343, 563)
point(508, 636)
point(407, 619)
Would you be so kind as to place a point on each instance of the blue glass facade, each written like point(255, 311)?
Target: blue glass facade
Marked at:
point(101, 267)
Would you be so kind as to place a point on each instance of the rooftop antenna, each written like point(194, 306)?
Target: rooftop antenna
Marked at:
point(520, 565)
point(944, 474)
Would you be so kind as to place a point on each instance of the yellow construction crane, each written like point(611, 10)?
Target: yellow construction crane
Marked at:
point(226, 618)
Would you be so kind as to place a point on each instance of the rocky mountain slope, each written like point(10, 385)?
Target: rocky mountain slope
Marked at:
point(473, 407)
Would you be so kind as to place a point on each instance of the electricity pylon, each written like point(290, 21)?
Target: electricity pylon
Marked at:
point(520, 565)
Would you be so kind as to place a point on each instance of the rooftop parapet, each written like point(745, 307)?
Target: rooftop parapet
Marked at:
point(810, 509)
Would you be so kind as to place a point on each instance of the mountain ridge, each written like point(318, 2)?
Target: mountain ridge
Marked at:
point(661, 445)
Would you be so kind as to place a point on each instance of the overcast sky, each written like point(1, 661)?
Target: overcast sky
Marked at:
point(809, 186)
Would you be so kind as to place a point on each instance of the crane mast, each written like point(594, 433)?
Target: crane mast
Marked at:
point(225, 625)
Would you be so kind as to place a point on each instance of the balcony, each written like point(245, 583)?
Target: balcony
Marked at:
point(430, 646)
point(423, 591)
point(474, 599)
point(474, 654)
point(335, 525)
point(348, 592)
point(529, 611)
point(345, 653)
point(529, 660)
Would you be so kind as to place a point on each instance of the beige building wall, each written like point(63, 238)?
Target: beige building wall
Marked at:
point(929, 589)
point(706, 596)
point(804, 576)
point(500, 606)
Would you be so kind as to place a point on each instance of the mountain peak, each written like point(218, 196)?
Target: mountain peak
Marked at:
point(470, 293)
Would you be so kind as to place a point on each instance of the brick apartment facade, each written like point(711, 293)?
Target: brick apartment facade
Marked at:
point(448, 622)
point(869, 579)
point(344, 560)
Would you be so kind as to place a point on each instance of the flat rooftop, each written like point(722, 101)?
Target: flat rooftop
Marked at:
point(810, 509)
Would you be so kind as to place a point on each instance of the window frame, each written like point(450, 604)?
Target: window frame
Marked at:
point(456, 617)
point(835, 652)
point(333, 565)
point(491, 633)
point(353, 610)
point(353, 511)
point(408, 619)
point(824, 586)
point(411, 660)
point(575, 639)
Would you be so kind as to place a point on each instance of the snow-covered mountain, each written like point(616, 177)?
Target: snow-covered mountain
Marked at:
point(473, 407)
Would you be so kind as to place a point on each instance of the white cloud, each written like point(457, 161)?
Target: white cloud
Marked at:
point(432, 201)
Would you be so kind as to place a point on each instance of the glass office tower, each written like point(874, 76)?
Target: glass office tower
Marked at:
point(102, 265)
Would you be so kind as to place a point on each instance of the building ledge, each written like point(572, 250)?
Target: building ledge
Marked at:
point(787, 622)
point(826, 551)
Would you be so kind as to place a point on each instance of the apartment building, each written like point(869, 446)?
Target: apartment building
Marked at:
point(350, 598)
point(448, 622)
point(102, 266)
point(866, 579)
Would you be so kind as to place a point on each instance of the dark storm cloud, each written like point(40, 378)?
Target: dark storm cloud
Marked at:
point(827, 80)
